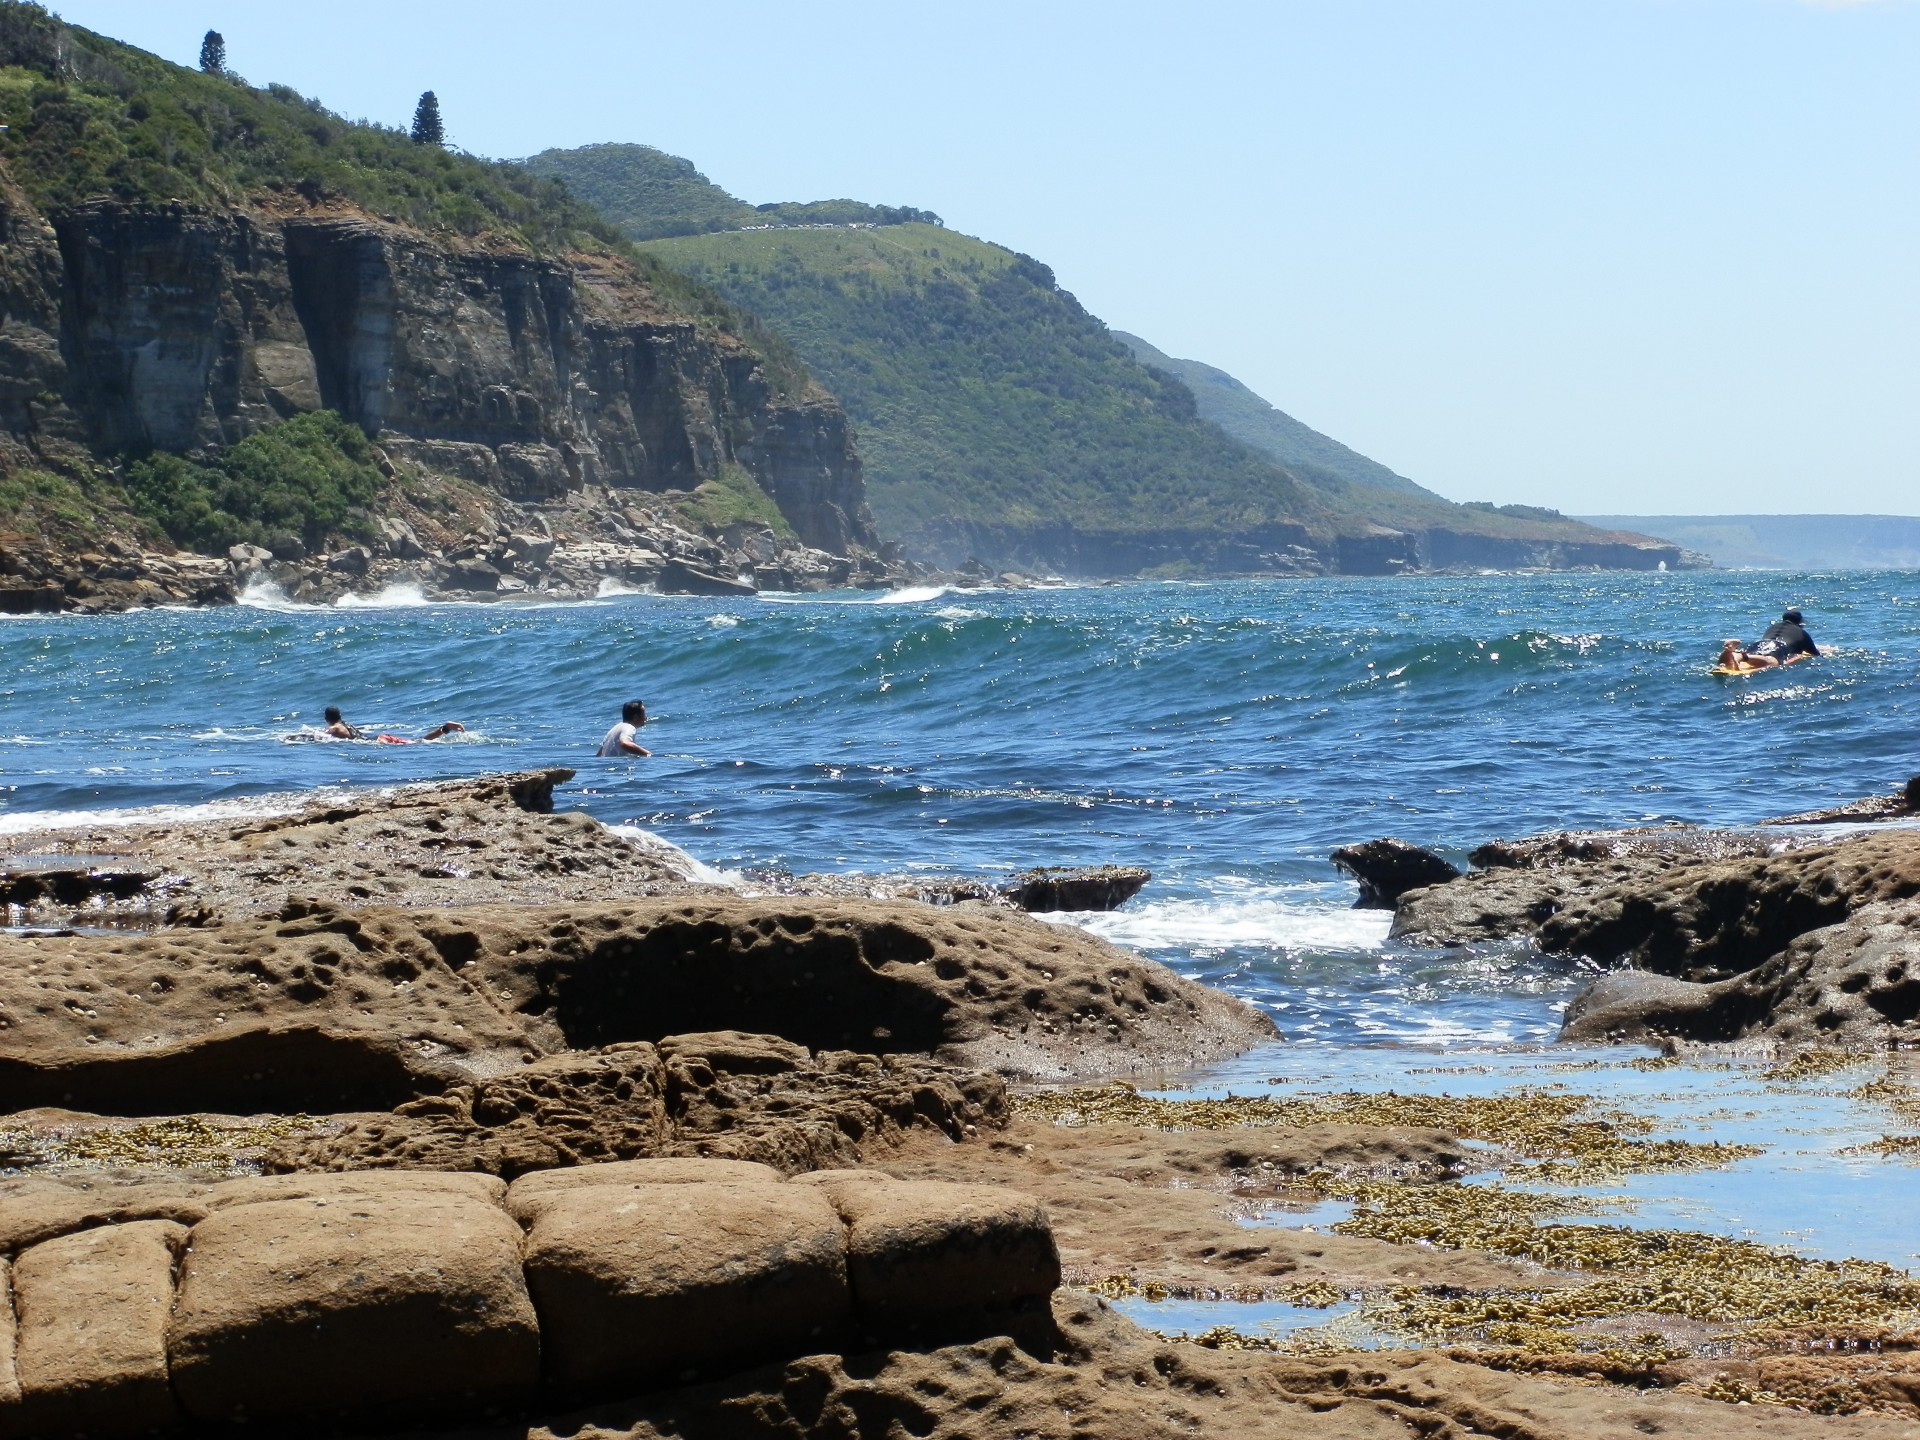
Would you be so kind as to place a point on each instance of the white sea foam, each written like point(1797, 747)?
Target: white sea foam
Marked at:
point(911, 595)
point(1239, 918)
point(252, 807)
point(400, 595)
point(693, 869)
point(723, 622)
point(260, 593)
point(610, 589)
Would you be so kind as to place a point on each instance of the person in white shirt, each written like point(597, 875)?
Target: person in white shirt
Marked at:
point(620, 739)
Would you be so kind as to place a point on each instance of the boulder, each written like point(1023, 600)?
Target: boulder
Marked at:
point(1386, 869)
point(530, 552)
point(1854, 985)
point(1094, 887)
point(919, 1251)
point(654, 1282)
point(472, 577)
point(249, 557)
point(357, 1304)
point(91, 1309)
point(34, 1208)
point(677, 577)
point(530, 1195)
point(1711, 920)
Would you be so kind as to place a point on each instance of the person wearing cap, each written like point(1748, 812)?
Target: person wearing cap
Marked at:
point(1785, 642)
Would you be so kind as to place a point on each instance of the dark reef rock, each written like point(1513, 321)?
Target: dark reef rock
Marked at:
point(1387, 868)
point(1098, 887)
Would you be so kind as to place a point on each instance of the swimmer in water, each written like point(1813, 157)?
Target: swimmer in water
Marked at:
point(339, 729)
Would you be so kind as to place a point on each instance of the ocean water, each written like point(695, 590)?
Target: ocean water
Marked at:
point(1226, 736)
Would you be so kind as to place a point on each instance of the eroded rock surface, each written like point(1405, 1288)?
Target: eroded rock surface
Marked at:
point(728, 1096)
point(457, 843)
point(325, 1008)
point(1854, 985)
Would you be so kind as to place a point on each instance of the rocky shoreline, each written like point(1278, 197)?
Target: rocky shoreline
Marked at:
point(439, 1109)
point(1802, 932)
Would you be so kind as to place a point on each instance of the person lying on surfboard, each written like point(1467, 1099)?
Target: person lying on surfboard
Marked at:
point(1785, 642)
point(339, 729)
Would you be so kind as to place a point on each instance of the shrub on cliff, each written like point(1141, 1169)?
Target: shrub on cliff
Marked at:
point(298, 484)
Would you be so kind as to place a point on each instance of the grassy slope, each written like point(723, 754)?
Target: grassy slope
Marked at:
point(651, 195)
point(1253, 421)
point(91, 118)
point(985, 393)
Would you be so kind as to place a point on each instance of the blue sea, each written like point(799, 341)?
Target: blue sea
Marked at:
point(1226, 736)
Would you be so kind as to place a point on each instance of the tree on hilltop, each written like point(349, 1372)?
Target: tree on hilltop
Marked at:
point(426, 121)
point(213, 53)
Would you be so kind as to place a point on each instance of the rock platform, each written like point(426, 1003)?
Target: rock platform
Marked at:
point(337, 1297)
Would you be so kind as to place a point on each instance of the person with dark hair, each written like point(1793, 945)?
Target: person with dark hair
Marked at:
point(339, 729)
point(620, 739)
point(1785, 642)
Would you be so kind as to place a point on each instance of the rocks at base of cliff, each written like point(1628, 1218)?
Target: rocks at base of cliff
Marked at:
point(36, 579)
point(718, 1096)
point(394, 1296)
point(1386, 869)
point(1853, 985)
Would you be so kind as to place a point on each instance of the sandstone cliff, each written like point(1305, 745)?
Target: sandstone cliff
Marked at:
point(185, 260)
point(165, 327)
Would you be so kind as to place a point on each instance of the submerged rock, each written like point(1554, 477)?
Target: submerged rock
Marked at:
point(1095, 887)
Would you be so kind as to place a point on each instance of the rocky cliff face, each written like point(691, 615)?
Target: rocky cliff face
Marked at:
point(126, 328)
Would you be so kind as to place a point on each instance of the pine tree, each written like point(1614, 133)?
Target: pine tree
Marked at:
point(426, 121)
point(213, 53)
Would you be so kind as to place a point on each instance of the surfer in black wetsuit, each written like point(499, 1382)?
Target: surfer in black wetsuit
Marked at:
point(1786, 641)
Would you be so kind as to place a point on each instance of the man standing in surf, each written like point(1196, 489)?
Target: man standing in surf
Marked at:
point(620, 739)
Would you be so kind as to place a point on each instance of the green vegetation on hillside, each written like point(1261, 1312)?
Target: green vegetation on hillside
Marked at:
point(985, 393)
point(651, 195)
point(291, 487)
point(89, 118)
point(734, 498)
point(1253, 421)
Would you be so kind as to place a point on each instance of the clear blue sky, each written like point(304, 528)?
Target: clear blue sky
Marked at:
point(1629, 256)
